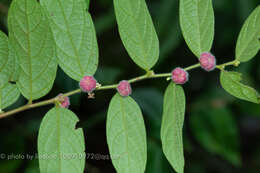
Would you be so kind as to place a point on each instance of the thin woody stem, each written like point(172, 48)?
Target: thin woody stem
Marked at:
point(233, 63)
point(148, 75)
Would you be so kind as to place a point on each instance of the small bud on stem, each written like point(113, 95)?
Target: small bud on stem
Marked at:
point(180, 76)
point(207, 61)
point(88, 84)
point(124, 88)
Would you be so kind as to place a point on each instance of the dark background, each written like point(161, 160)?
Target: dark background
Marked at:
point(221, 133)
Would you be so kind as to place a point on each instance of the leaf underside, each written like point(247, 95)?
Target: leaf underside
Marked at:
point(248, 43)
point(14, 64)
point(6, 66)
point(197, 24)
point(172, 124)
point(61, 146)
point(231, 82)
point(31, 37)
point(137, 32)
point(74, 35)
point(8, 92)
point(126, 136)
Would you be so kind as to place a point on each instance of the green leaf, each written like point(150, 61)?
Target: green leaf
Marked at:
point(9, 94)
point(60, 145)
point(137, 32)
point(126, 136)
point(74, 35)
point(197, 24)
point(248, 43)
point(14, 63)
point(32, 39)
point(207, 127)
point(172, 124)
point(231, 82)
point(8, 61)
point(5, 68)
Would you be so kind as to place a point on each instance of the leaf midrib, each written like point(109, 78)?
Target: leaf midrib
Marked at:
point(198, 20)
point(179, 126)
point(175, 122)
point(58, 137)
point(124, 125)
point(139, 35)
point(70, 37)
point(200, 32)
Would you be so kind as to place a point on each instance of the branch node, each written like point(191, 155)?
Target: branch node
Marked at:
point(236, 63)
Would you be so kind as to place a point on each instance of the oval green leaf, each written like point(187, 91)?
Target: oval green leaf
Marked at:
point(126, 136)
point(137, 32)
point(75, 37)
point(31, 36)
point(197, 24)
point(8, 92)
point(172, 124)
point(231, 82)
point(60, 145)
point(248, 43)
point(8, 61)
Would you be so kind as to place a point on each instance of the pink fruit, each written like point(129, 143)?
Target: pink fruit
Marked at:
point(88, 84)
point(207, 61)
point(124, 88)
point(180, 76)
point(64, 101)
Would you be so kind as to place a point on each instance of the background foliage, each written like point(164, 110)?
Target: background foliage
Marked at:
point(221, 133)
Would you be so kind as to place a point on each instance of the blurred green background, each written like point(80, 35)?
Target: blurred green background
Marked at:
point(221, 133)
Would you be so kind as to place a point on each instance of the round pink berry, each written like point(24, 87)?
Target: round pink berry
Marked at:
point(180, 76)
point(88, 84)
point(64, 101)
point(207, 61)
point(124, 88)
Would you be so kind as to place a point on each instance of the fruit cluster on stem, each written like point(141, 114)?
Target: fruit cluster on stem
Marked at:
point(89, 84)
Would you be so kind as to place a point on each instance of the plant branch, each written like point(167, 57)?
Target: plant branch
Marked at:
point(192, 67)
point(233, 63)
point(148, 75)
point(28, 106)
